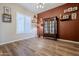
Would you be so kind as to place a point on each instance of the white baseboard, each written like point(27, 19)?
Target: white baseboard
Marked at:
point(68, 41)
point(15, 41)
point(34, 37)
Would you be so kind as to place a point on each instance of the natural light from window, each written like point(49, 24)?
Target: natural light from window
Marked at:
point(23, 23)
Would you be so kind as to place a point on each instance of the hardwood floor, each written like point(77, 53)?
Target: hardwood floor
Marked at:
point(39, 47)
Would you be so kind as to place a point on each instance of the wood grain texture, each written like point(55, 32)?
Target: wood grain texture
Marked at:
point(39, 47)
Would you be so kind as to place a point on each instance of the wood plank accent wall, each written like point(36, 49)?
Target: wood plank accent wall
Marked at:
point(68, 30)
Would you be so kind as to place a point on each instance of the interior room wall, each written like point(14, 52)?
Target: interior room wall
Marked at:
point(68, 30)
point(8, 30)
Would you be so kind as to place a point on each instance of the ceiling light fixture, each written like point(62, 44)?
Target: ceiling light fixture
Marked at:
point(40, 5)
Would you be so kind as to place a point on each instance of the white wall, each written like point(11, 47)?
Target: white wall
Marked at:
point(8, 30)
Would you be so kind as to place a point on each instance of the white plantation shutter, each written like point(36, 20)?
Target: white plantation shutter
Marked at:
point(23, 23)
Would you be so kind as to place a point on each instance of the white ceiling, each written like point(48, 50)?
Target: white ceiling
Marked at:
point(47, 6)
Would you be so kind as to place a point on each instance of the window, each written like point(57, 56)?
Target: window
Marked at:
point(23, 23)
point(28, 24)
